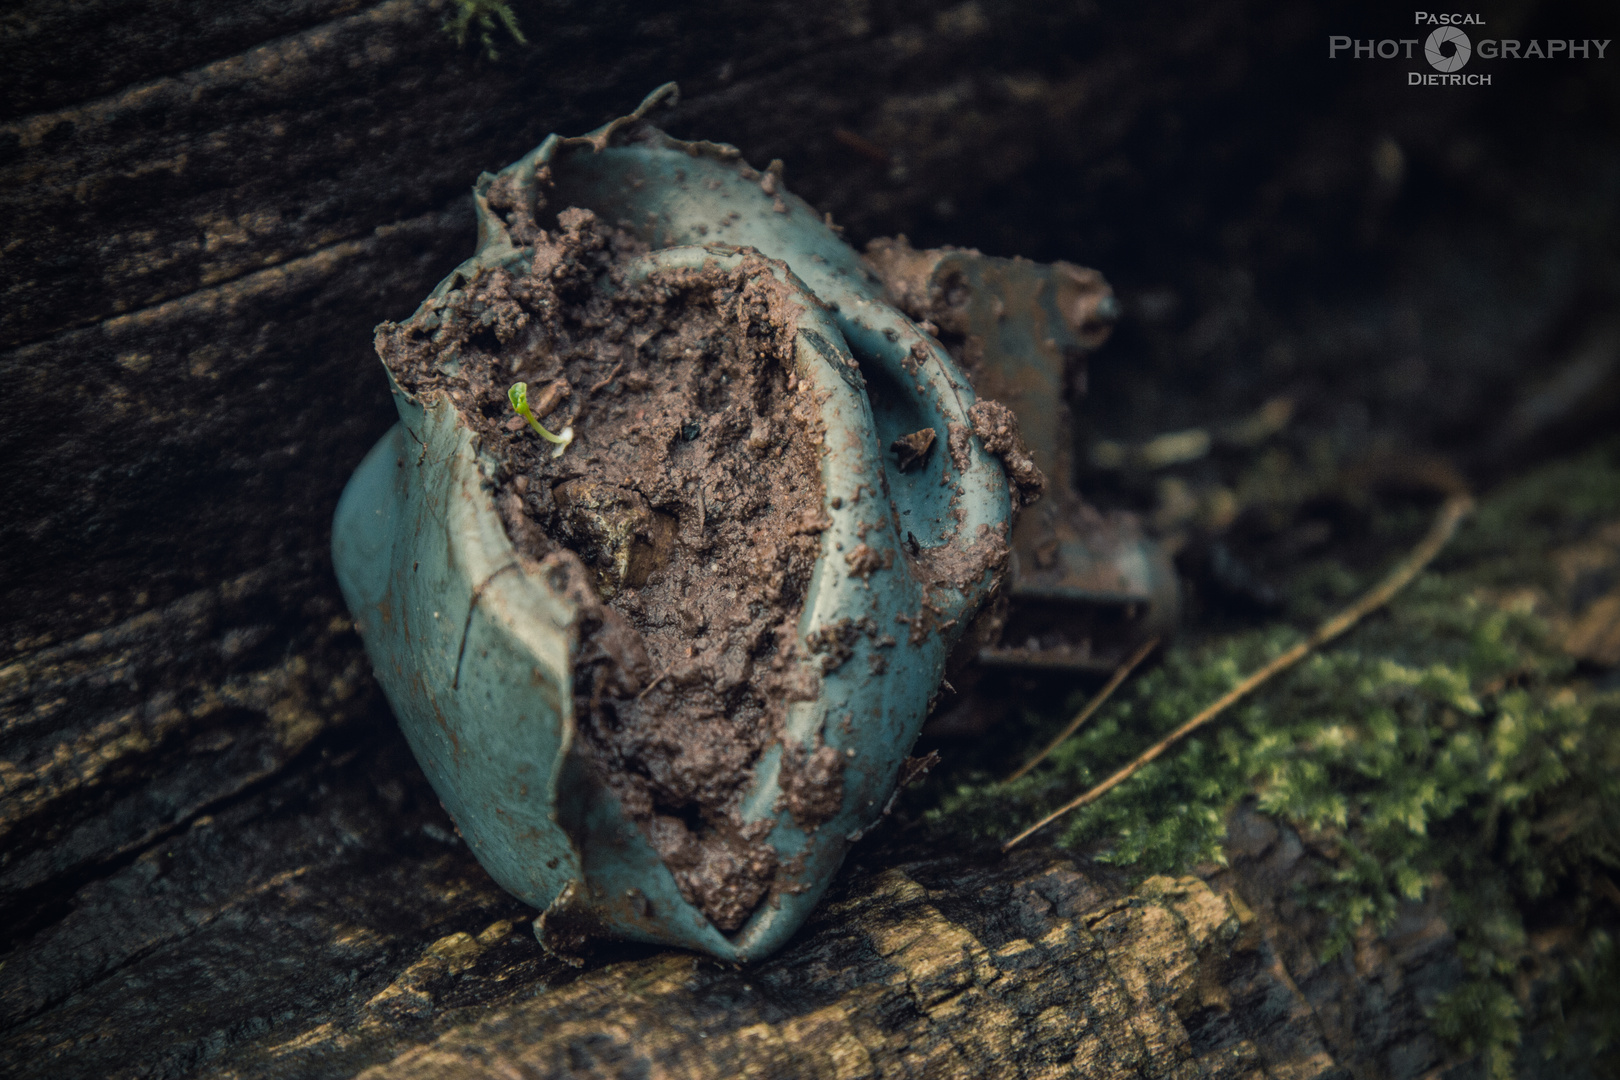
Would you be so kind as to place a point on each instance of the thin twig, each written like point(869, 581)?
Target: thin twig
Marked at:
point(1121, 673)
point(649, 687)
point(1445, 524)
point(614, 374)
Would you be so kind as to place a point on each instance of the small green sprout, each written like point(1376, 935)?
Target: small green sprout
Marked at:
point(519, 396)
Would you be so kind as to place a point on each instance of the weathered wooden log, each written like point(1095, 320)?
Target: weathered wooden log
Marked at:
point(328, 921)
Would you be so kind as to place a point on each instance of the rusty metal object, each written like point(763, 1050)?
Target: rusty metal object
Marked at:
point(1086, 587)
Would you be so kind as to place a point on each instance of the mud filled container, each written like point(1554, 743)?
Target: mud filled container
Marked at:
point(663, 642)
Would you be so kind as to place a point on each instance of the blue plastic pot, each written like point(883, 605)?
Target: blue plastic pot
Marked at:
point(474, 646)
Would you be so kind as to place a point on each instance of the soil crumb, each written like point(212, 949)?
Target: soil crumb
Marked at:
point(911, 451)
point(997, 428)
point(684, 519)
point(812, 783)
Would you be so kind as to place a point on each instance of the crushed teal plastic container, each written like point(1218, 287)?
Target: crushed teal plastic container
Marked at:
point(473, 646)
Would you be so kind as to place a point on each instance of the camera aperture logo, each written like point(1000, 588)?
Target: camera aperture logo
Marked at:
point(1448, 49)
point(1435, 49)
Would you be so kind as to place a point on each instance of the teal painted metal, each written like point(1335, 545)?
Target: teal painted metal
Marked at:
point(473, 647)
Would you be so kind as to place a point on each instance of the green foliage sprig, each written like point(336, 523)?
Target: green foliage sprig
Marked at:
point(485, 15)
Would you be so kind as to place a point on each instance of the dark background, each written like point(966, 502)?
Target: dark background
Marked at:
point(208, 206)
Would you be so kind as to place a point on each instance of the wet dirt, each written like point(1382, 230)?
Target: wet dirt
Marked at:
point(997, 428)
point(684, 521)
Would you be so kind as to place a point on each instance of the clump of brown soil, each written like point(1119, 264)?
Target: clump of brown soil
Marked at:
point(684, 518)
point(997, 428)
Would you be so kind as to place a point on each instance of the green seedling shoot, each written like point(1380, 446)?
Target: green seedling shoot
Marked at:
point(519, 396)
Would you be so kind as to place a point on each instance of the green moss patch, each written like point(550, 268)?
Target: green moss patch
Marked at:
point(1448, 745)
